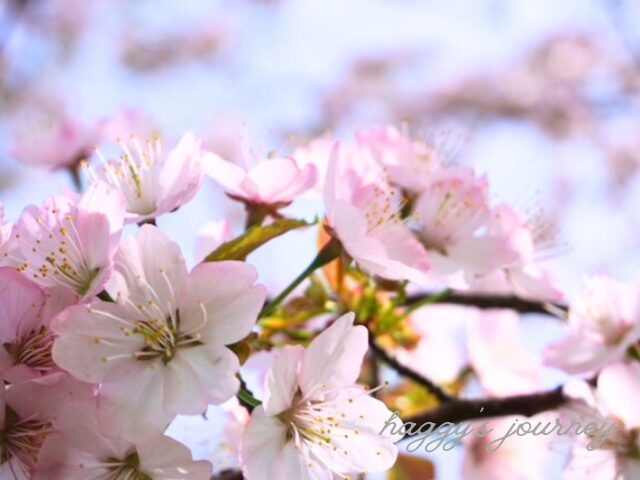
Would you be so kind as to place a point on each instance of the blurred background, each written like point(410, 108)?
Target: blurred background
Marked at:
point(541, 96)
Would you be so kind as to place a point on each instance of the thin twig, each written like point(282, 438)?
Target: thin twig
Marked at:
point(228, 475)
point(460, 410)
point(484, 301)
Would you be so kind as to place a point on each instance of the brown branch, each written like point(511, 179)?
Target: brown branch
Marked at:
point(381, 353)
point(484, 301)
point(228, 475)
point(460, 410)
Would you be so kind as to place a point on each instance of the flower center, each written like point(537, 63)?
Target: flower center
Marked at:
point(134, 174)
point(57, 254)
point(162, 338)
point(34, 350)
point(159, 338)
point(127, 469)
point(22, 439)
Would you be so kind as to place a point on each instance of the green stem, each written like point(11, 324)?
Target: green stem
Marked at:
point(427, 301)
point(255, 215)
point(327, 254)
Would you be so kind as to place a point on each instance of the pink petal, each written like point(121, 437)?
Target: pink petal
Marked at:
point(80, 348)
point(619, 391)
point(281, 382)
point(333, 359)
point(263, 440)
point(164, 457)
point(227, 174)
point(225, 293)
point(21, 302)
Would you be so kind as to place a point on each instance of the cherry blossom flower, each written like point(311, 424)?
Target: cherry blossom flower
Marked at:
point(71, 243)
point(47, 136)
point(272, 181)
point(522, 457)
point(26, 413)
point(493, 336)
point(452, 211)
point(439, 354)
point(164, 338)
point(153, 182)
point(410, 163)
point(315, 421)
point(127, 123)
point(25, 335)
point(520, 243)
point(612, 405)
point(364, 217)
point(211, 236)
point(80, 450)
point(356, 159)
point(603, 323)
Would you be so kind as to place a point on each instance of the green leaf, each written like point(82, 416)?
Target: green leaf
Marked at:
point(239, 248)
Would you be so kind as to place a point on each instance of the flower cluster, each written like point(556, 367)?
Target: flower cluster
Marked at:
point(116, 356)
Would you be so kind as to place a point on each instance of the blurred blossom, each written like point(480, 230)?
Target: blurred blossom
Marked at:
point(211, 236)
point(439, 353)
point(408, 162)
point(603, 323)
point(522, 457)
point(47, 136)
point(492, 337)
point(614, 401)
point(147, 52)
point(128, 123)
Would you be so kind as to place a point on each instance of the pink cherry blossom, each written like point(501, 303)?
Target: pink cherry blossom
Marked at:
point(603, 323)
point(71, 243)
point(613, 402)
point(364, 217)
point(409, 163)
point(153, 182)
point(356, 159)
point(211, 236)
point(519, 457)
point(25, 335)
point(493, 336)
point(164, 338)
point(439, 354)
point(271, 181)
point(127, 123)
point(49, 137)
point(26, 412)
point(315, 420)
point(453, 211)
point(515, 249)
point(80, 449)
